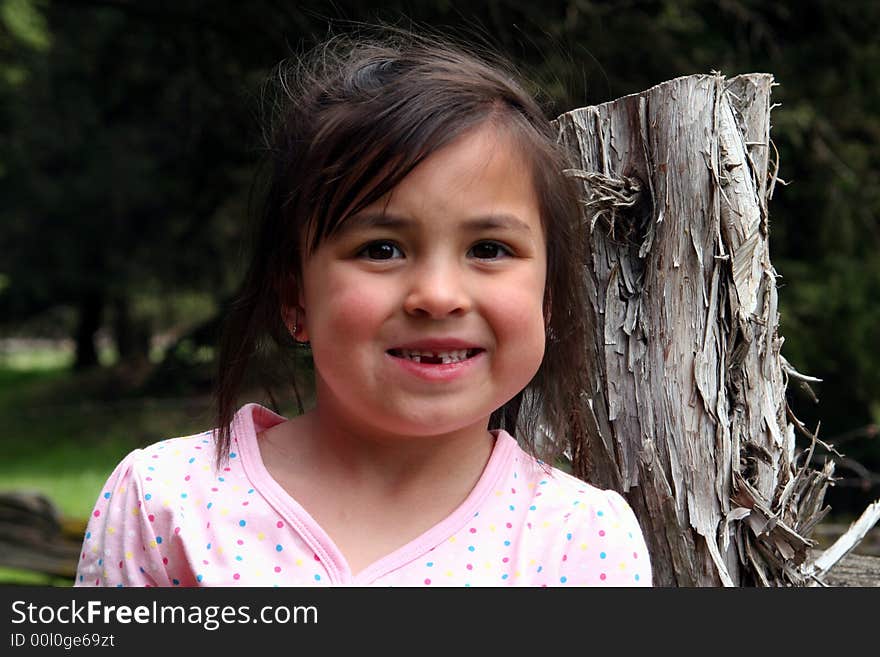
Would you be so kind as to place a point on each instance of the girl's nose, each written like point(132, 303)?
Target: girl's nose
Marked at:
point(437, 290)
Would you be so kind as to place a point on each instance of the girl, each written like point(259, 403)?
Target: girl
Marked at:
point(420, 241)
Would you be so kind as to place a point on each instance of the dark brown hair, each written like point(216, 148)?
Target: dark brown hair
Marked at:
point(352, 119)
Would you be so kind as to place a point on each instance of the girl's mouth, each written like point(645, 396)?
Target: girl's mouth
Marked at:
point(435, 357)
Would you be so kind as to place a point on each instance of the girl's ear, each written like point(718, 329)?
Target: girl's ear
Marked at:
point(294, 318)
point(292, 312)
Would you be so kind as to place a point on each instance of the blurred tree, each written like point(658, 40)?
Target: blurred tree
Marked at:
point(128, 144)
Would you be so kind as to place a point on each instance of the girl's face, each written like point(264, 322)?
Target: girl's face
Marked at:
point(425, 310)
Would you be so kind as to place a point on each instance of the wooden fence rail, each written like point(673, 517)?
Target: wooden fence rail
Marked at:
point(35, 537)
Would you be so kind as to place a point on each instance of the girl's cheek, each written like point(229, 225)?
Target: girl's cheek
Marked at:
point(356, 308)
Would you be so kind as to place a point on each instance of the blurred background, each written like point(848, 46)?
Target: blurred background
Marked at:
point(129, 138)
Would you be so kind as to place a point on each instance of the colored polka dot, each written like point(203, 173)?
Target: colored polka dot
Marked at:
point(159, 539)
point(148, 496)
point(602, 577)
point(106, 496)
point(602, 555)
point(242, 523)
point(600, 513)
point(427, 581)
point(96, 513)
point(471, 548)
point(232, 455)
point(279, 524)
point(532, 508)
point(430, 564)
point(506, 543)
point(563, 579)
point(192, 459)
point(199, 578)
point(473, 530)
point(637, 578)
point(176, 582)
point(236, 576)
point(277, 569)
point(601, 532)
point(317, 578)
point(240, 542)
point(278, 548)
point(568, 536)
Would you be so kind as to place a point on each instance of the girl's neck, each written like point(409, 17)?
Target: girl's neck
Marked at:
point(355, 453)
point(370, 492)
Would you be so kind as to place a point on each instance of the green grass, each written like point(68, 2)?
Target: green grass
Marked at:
point(62, 433)
point(29, 578)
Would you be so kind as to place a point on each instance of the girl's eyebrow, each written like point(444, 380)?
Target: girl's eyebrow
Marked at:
point(368, 220)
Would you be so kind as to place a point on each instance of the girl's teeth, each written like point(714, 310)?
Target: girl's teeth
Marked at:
point(444, 357)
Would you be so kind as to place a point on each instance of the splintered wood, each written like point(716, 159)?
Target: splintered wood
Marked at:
point(687, 402)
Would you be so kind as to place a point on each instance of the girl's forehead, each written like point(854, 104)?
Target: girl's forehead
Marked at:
point(487, 164)
point(476, 165)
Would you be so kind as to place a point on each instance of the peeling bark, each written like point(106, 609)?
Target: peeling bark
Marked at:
point(687, 380)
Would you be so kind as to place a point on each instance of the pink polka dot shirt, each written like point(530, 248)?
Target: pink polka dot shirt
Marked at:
point(167, 517)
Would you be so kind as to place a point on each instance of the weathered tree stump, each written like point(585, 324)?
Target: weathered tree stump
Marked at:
point(687, 398)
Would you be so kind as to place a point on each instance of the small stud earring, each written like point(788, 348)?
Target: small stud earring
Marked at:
point(295, 328)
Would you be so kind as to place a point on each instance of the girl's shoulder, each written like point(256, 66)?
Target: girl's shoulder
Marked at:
point(197, 451)
point(182, 452)
point(559, 490)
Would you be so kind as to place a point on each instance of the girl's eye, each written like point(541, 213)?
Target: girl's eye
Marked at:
point(489, 251)
point(380, 251)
